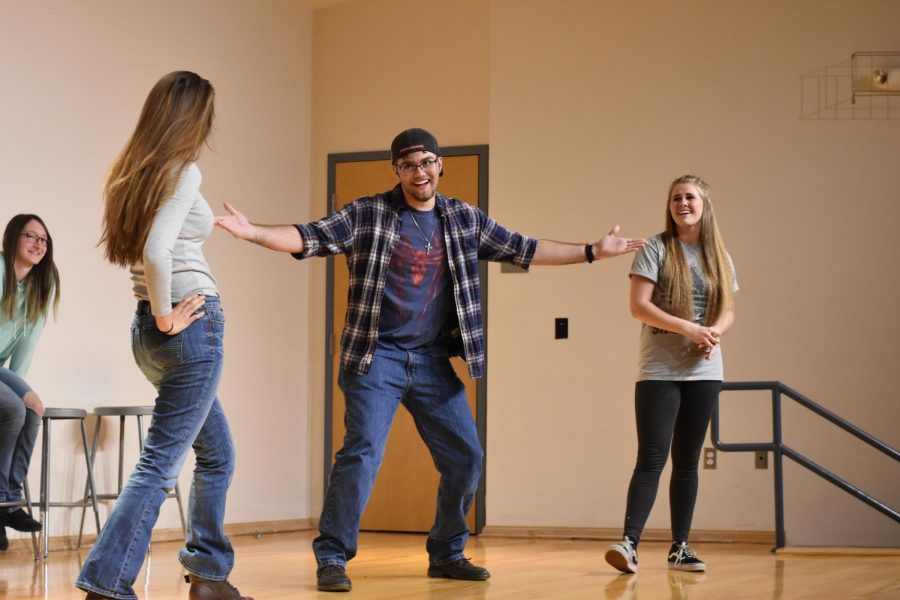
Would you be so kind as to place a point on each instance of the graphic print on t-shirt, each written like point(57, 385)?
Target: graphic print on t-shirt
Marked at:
point(416, 290)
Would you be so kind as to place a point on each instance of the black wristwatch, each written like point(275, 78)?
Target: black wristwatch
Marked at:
point(589, 253)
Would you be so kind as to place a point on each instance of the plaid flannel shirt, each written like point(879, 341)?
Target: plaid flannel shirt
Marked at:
point(367, 229)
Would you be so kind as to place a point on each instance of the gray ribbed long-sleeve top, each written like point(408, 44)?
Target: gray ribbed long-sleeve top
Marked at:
point(173, 266)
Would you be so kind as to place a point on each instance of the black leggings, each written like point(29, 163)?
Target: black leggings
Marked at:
point(669, 414)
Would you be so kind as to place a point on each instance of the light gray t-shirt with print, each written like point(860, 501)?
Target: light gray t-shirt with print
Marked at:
point(173, 265)
point(667, 356)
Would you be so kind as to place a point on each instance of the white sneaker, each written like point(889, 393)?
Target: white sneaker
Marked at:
point(623, 556)
point(682, 558)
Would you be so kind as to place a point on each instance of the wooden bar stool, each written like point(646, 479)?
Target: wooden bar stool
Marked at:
point(90, 497)
point(122, 412)
point(25, 503)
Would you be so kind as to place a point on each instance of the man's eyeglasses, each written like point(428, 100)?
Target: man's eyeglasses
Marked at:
point(408, 168)
point(34, 238)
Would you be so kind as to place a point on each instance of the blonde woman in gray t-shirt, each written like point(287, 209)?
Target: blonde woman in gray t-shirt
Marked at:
point(682, 291)
point(155, 222)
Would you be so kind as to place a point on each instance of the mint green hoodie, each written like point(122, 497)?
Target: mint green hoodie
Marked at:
point(18, 337)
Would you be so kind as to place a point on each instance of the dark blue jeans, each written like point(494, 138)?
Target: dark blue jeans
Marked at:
point(185, 369)
point(18, 431)
point(435, 397)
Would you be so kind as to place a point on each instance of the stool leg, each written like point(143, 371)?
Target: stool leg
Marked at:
point(34, 543)
point(45, 487)
point(140, 432)
point(86, 489)
point(180, 509)
point(121, 450)
point(90, 470)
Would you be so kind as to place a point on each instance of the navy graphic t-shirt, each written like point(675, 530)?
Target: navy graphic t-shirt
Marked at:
point(417, 289)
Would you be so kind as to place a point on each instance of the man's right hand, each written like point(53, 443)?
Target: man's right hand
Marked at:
point(236, 224)
point(281, 238)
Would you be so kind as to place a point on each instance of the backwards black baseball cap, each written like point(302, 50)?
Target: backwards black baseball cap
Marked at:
point(413, 140)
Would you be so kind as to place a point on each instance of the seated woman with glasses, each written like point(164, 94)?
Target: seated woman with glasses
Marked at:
point(29, 285)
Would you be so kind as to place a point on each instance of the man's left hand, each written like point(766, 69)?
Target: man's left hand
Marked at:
point(611, 245)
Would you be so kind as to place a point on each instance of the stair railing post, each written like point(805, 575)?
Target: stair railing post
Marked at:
point(778, 468)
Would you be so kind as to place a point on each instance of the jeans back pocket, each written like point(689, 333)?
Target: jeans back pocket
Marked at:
point(160, 350)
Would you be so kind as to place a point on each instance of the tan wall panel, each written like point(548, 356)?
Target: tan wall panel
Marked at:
point(403, 497)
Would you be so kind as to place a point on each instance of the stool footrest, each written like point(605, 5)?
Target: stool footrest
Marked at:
point(61, 504)
point(123, 411)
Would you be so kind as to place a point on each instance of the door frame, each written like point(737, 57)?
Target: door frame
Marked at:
point(332, 340)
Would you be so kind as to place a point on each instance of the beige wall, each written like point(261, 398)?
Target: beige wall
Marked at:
point(75, 75)
point(592, 108)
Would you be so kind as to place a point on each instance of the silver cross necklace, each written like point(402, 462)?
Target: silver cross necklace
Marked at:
point(428, 244)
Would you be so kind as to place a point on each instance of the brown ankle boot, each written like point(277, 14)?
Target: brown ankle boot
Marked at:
point(207, 589)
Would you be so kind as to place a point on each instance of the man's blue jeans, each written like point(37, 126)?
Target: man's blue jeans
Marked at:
point(18, 431)
point(185, 369)
point(429, 388)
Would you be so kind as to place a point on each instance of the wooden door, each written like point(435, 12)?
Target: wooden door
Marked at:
point(405, 491)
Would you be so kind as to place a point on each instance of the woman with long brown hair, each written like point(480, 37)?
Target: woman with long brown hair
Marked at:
point(682, 291)
point(29, 288)
point(155, 223)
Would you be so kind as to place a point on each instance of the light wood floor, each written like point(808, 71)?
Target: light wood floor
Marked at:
point(281, 566)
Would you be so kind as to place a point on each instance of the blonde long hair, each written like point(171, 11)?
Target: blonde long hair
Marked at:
point(173, 126)
point(676, 278)
point(42, 281)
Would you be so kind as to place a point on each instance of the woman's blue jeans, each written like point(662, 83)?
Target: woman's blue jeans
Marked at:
point(185, 369)
point(429, 388)
point(18, 431)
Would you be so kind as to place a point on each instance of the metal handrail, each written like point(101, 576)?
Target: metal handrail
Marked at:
point(780, 449)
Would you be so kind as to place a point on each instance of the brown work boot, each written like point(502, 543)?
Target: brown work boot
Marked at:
point(207, 589)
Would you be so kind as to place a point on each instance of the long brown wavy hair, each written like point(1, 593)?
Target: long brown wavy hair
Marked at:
point(676, 278)
point(174, 124)
point(41, 283)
